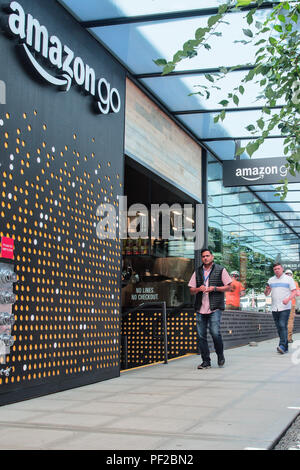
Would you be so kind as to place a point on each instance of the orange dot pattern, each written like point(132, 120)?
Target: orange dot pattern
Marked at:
point(143, 337)
point(68, 292)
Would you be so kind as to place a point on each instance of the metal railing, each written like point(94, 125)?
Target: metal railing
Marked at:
point(163, 307)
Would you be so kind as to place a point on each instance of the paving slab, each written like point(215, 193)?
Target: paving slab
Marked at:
point(246, 405)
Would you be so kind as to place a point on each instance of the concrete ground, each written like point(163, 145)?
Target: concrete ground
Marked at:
point(248, 404)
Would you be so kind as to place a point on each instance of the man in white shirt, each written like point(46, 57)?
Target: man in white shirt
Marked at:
point(283, 290)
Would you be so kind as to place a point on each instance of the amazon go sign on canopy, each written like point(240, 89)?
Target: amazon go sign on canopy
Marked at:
point(37, 42)
point(256, 171)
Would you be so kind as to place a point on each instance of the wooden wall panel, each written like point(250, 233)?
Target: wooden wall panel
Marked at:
point(156, 141)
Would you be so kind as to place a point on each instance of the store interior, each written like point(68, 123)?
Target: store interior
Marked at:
point(157, 266)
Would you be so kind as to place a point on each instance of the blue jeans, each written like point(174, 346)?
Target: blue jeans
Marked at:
point(211, 321)
point(281, 321)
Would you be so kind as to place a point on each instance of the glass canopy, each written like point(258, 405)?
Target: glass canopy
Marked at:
point(138, 32)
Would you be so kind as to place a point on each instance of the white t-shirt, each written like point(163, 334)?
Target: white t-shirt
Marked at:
point(281, 289)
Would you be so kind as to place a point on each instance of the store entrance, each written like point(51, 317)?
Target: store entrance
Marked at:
point(158, 262)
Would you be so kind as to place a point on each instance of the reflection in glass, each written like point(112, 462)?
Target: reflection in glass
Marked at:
point(246, 237)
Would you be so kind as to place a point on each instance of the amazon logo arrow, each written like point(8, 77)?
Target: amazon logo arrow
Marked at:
point(64, 82)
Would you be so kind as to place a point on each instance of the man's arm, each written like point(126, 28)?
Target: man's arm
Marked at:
point(195, 290)
point(290, 297)
point(219, 288)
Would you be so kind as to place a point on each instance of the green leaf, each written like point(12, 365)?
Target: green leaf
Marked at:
point(188, 46)
point(272, 41)
point(224, 102)
point(160, 62)
point(222, 9)
point(260, 58)
point(248, 33)
point(200, 33)
point(294, 18)
point(241, 89)
point(178, 56)
point(191, 54)
point(168, 68)
point(242, 3)
point(250, 75)
point(250, 128)
point(251, 148)
point(281, 18)
point(236, 99)
point(209, 77)
point(261, 123)
point(250, 17)
point(260, 42)
point(213, 20)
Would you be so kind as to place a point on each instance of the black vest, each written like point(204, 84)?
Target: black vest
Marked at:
point(216, 299)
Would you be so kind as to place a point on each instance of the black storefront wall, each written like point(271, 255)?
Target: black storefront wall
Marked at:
point(60, 159)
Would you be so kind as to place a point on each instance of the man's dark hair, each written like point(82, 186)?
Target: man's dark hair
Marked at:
point(205, 249)
point(277, 264)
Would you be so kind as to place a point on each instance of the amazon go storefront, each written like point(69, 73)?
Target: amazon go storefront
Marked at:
point(87, 162)
point(62, 117)
point(66, 276)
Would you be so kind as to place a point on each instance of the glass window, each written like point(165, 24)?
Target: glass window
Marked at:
point(158, 39)
point(95, 9)
point(246, 238)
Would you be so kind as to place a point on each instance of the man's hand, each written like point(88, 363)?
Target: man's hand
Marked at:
point(210, 289)
point(267, 290)
point(203, 289)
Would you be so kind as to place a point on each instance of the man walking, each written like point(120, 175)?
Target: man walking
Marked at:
point(209, 283)
point(283, 290)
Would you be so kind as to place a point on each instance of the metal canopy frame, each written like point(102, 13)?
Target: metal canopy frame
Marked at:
point(244, 68)
point(96, 23)
point(217, 110)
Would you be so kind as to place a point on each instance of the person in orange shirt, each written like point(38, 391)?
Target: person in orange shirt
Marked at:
point(289, 272)
point(236, 292)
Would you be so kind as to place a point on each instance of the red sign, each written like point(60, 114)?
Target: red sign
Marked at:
point(7, 248)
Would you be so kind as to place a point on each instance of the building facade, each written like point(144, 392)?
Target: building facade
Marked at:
point(77, 137)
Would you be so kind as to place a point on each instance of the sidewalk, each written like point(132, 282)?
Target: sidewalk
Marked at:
point(246, 405)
